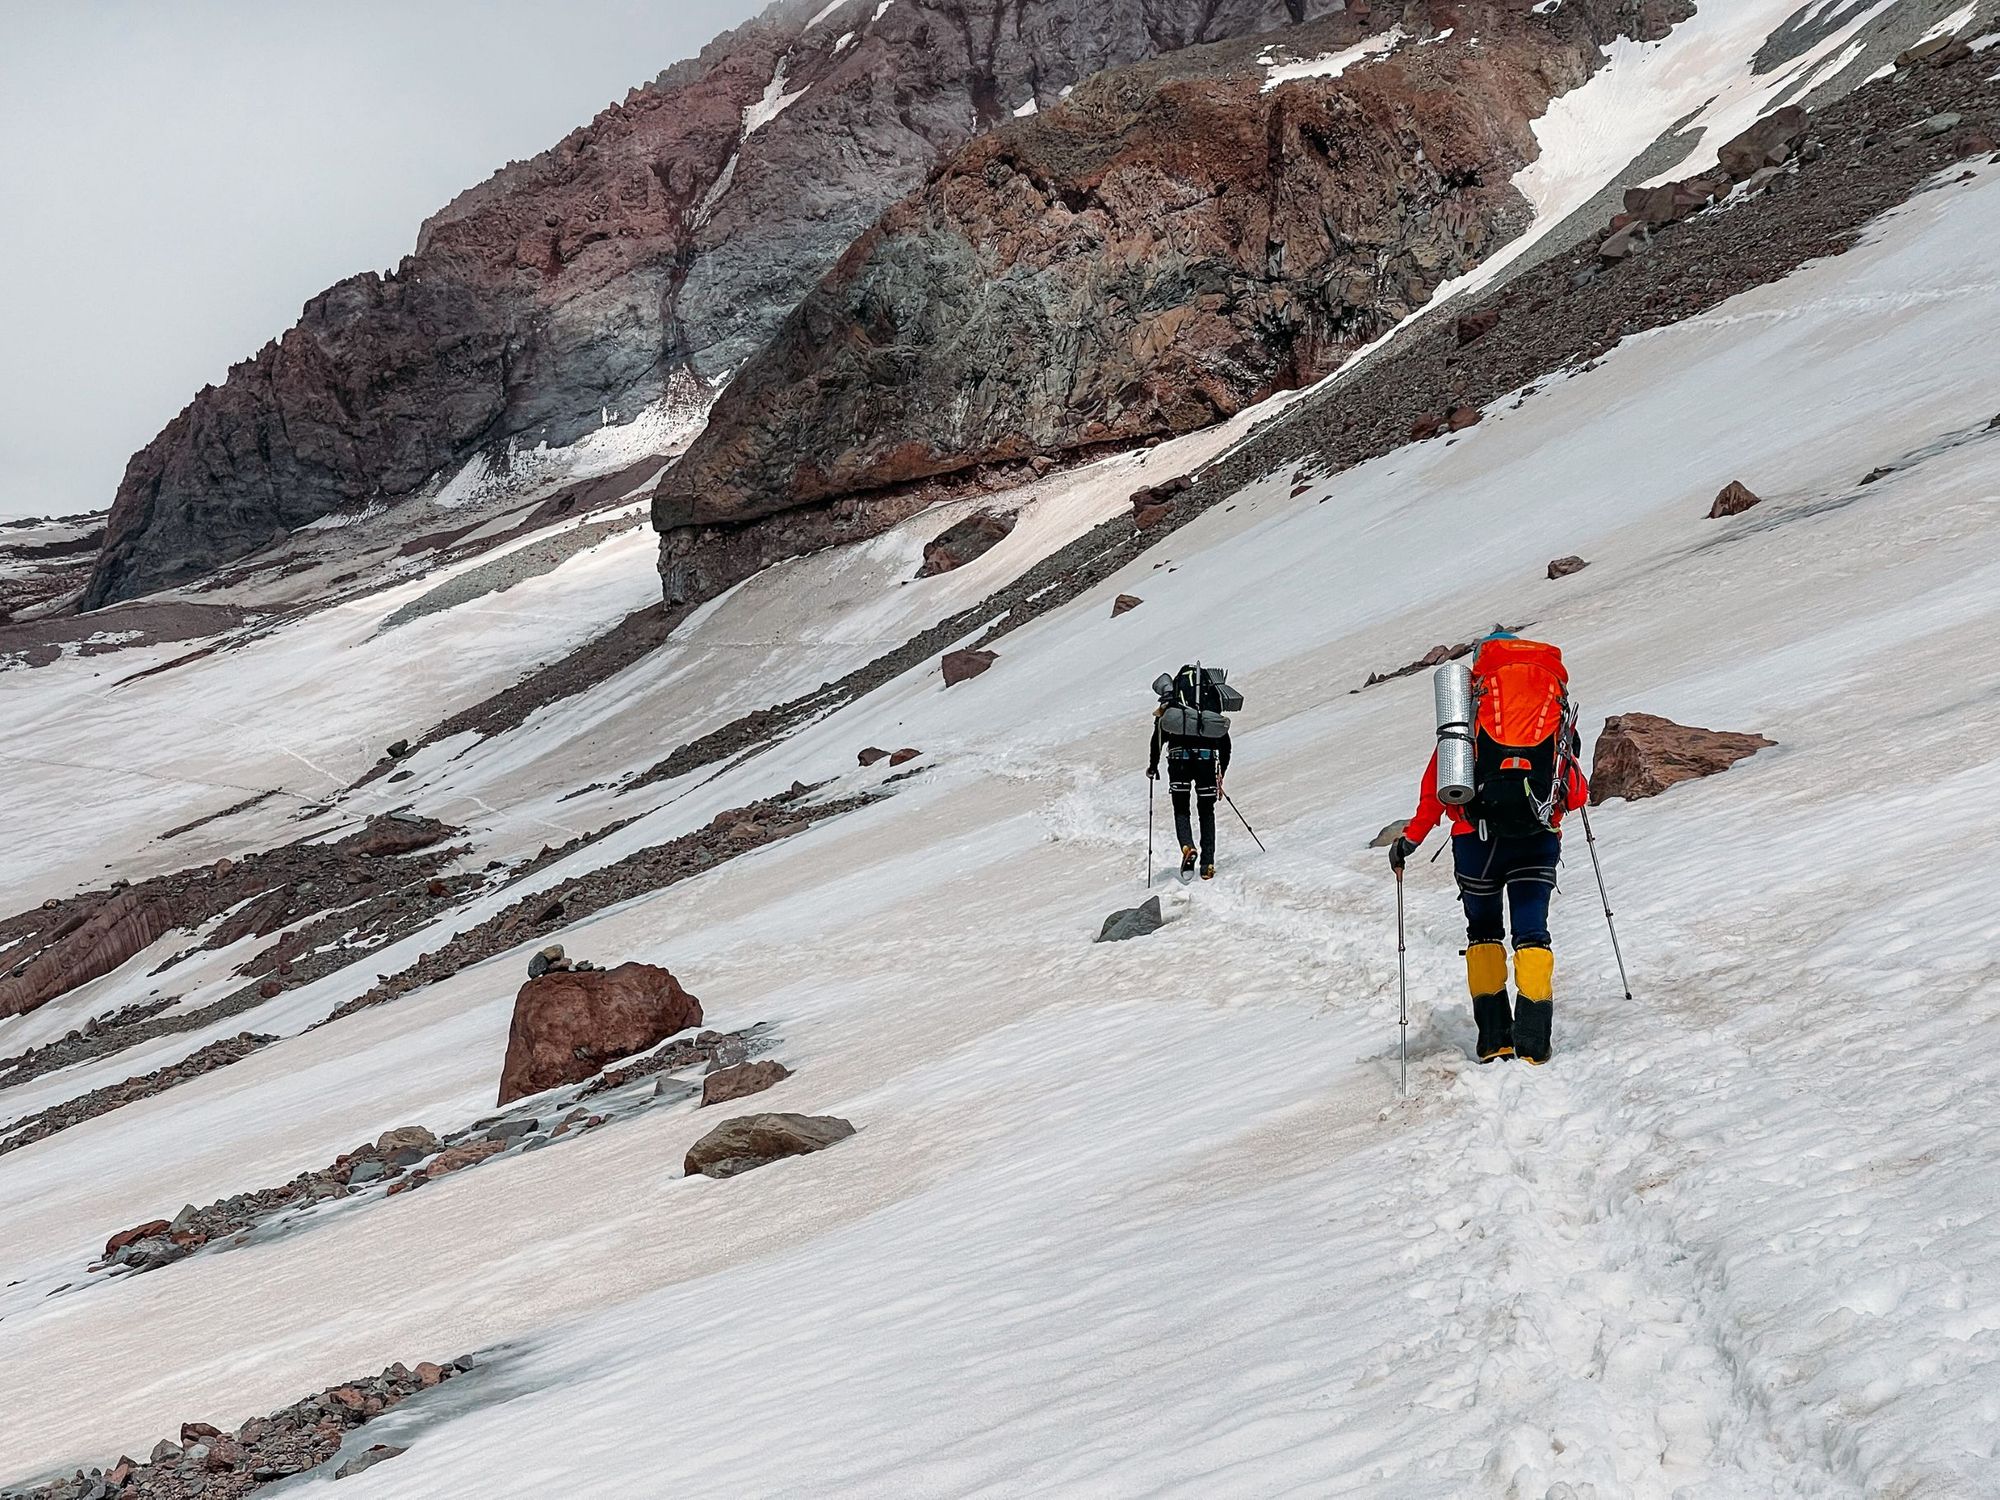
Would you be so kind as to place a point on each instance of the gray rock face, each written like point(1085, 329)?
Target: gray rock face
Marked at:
point(660, 244)
point(367, 1459)
point(1134, 921)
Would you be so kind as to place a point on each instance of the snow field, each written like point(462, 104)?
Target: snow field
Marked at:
point(1146, 1219)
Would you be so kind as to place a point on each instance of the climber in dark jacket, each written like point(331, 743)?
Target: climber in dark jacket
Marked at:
point(1197, 766)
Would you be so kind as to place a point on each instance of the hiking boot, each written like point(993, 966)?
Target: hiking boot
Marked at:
point(1208, 872)
point(1187, 861)
point(1532, 1020)
point(1497, 1035)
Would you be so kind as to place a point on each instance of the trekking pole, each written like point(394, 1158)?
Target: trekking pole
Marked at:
point(1243, 820)
point(1151, 782)
point(1605, 896)
point(1402, 994)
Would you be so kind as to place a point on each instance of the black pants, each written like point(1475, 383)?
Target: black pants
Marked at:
point(1193, 770)
point(1522, 871)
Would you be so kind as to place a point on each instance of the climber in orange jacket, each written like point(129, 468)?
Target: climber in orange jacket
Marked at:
point(1507, 841)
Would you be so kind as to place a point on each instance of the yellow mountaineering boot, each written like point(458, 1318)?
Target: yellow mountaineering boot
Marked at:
point(1486, 977)
point(1534, 979)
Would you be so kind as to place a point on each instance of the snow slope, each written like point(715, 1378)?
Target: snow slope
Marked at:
point(1148, 1219)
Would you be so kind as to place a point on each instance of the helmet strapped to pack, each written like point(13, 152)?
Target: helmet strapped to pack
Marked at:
point(1523, 736)
point(1195, 703)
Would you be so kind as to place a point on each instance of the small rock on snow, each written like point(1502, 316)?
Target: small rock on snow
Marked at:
point(375, 1455)
point(1734, 498)
point(742, 1081)
point(752, 1141)
point(1133, 921)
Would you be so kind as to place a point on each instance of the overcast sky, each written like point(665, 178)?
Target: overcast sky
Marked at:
point(177, 177)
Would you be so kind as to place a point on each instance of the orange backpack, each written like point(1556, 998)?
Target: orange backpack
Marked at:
point(1523, 737)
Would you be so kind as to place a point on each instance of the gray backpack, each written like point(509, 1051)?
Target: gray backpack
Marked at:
point(1196, 703)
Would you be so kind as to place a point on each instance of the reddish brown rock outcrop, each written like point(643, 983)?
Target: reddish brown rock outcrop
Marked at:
point(1171, 243)
point(50, 950)
point(569, 1024)
point(127, 923)
point(1771, 142)
point(1124, 603)
point(1641, 755)
point(742, 1081)
point(962, 666)
point(153, 1229)
point(1562, 567)
point(387, 836)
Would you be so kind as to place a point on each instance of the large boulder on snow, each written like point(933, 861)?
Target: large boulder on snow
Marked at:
point(1641, 755)
point(569, 1023)
point(962, 666)
point(750, 1141)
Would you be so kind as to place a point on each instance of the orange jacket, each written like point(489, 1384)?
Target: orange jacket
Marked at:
point(1576, 792)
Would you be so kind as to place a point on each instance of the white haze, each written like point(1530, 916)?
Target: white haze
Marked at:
point(178, 180)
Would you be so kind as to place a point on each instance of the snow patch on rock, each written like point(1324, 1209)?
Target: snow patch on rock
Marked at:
point(1332, 64)
point(774, 103)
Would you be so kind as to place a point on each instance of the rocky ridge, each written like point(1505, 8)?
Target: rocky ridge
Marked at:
point(49, 950)
point(731, 833)
point(217, 1465)
point(410, 1156)
point(642, 258)
point(45, 1123)
point(1176, 240)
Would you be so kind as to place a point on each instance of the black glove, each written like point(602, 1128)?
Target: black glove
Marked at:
point(1400, 851)
point(1152, 773)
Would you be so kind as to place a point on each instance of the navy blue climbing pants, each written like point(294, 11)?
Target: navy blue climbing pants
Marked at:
point(1193, 771)
point(1519, 872)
